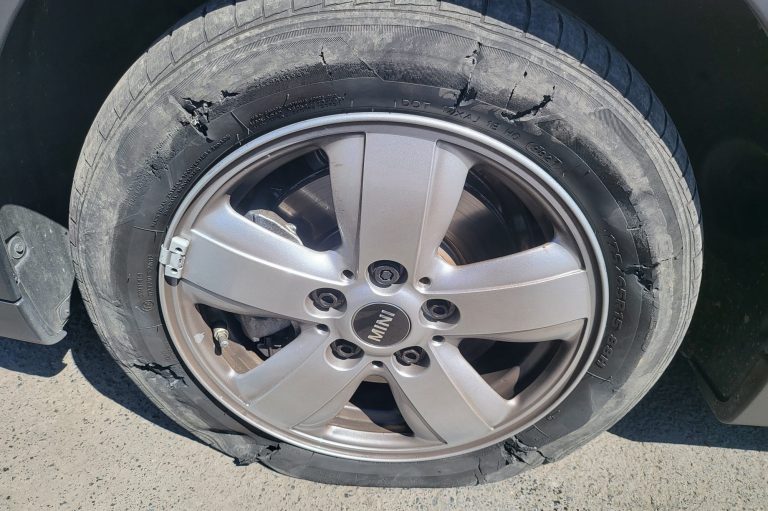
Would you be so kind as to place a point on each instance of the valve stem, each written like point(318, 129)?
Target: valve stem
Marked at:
point(221, 335)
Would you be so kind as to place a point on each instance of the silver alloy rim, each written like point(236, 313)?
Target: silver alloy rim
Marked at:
point(396, 181)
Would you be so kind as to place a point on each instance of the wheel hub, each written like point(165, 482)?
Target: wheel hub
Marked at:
point(381, 324)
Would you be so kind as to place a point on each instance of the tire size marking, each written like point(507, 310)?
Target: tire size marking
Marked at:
point(415, 103)
point(544, 155)
point(145, 285)
point(301, 105)
point(461, 114)
point(618, 308)
point(508, 131)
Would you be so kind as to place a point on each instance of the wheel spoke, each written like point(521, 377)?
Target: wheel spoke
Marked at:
point(449, 398)
point(567, 331)
point(299, 384)
point(528, 296)
point(397, 201)
point(345, 161)
point(234, 264)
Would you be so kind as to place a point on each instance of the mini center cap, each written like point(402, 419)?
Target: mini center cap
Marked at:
point(381, 324)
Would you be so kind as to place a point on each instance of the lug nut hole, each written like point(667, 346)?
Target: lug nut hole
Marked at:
point(345, 350)
point(387, 273)
point(327, 299)
point(414, 355)
point(437, 310)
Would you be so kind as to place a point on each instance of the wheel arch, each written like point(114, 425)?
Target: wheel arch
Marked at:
point(84, 47)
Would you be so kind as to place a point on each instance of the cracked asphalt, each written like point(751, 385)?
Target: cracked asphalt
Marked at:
point(76, 434)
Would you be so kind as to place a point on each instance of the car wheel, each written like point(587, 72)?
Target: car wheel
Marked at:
point(387, 244)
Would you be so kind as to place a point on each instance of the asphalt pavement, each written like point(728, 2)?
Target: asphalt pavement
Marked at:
point(76, 434)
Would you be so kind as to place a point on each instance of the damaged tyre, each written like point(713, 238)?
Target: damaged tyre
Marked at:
point(394, 246)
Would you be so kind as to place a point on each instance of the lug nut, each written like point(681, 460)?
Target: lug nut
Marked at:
point(345, 350)
point(18, 247)
point(386, 273)
point(439, 310)
point(410, 356)
point(327, 299)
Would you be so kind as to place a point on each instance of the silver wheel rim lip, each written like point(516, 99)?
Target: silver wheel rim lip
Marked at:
point(234, 163)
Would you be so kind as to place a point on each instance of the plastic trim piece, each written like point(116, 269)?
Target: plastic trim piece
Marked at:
point(36, 276)
point(748, 406)
point(16, 324)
